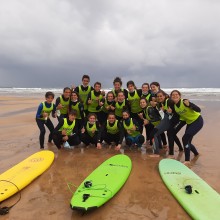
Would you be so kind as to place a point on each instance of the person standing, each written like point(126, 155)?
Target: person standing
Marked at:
point(190, 113)
point(62, 103)
point(83, 90)
point(43, 117)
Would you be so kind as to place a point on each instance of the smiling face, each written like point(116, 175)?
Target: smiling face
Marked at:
point(97, 87)
point(161, 97)
point(49, 99)
point(72, 117)
point(74, 97)
point(117, 86)
point(175, 96)
point(125, 115)
point(121, 97)
point(111, 118)
point(92, 119)
point(145, 89)
point(110, 97)
point(131, 88)
point(67, 93)
point(143, 103)
point(154, 88)
point(85, 82)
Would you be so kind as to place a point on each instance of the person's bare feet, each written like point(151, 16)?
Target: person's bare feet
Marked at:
point(187, 163)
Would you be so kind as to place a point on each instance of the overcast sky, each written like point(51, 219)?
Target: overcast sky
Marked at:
point(52, 43)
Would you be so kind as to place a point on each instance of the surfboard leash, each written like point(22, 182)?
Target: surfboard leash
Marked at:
point(5, 210)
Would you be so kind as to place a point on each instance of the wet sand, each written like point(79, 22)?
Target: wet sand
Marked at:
point(144, 196)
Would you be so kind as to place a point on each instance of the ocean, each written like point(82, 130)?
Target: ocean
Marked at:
point(201, 94)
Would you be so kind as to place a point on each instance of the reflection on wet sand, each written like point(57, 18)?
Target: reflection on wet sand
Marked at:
point(144, 196)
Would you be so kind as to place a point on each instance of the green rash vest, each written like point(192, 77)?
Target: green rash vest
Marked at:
point(90, 129)
point(76, 107)
point(68, 128)
point(112, 129)
point(47, 110)
point(134, 102)
point(129, 127)
point(165, 107)
point(65, 104)
point(186, 114)
point(155, 123)
point(83, 96)
point(147, 97)
point(119, 108)
point(104, 106)
point(92, 107)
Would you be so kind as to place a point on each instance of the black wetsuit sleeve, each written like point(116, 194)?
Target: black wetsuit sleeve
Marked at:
point(88, 97)
point(194, 107)
point(81, 110)
point(54, 110)
point(76, 89)
point(100, 132)
point(139, 92)
point(60, 124)
point(121, 132)
point(136, 125)
point(57, 101)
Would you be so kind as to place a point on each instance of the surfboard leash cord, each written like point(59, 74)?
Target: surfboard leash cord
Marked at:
point(5, 210)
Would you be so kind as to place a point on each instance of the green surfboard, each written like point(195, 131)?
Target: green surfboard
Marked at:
point(198, 199)
point(102, 184)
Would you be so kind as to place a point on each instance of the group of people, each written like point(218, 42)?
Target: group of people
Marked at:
point(89, 115)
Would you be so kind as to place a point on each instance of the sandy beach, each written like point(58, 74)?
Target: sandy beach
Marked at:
point(144, 196)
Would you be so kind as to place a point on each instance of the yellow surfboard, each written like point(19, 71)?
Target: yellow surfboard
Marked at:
point(20, 175)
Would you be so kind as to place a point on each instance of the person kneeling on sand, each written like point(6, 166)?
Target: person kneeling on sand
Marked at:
point(133, 135)
point(67, 131)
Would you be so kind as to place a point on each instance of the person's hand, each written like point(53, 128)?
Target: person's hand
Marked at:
point(186, 102)
point(99, 146)
point(63, 132)
point(118, 147)
point(145, 121)
point(83, 130)
point(140, 115)
point(45, 114)
point(101, 103)
point(59, 106)
point(89, 101)
point(65, 138)
point(169, 110)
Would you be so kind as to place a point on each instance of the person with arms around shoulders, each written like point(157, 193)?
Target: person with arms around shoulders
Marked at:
point(43, 117)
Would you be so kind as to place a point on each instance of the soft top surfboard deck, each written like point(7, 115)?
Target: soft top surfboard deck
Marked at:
point(102, 184)
point(24, 173)
point(199, 199)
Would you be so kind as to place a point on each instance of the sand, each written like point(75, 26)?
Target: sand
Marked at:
point(144, 196)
